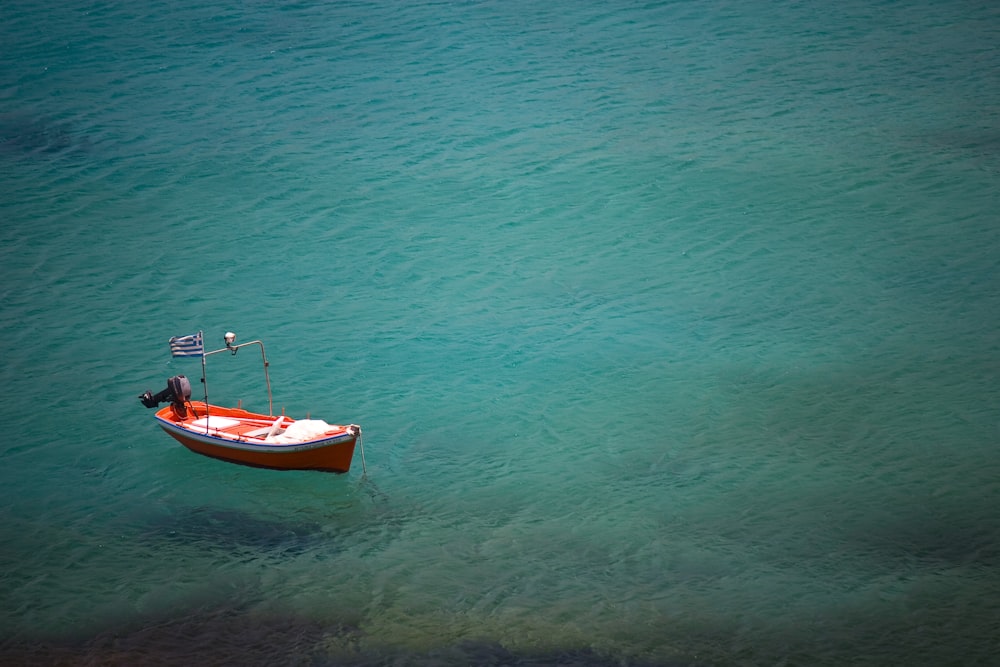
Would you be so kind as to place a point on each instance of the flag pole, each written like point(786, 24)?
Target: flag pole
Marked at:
point(204, 377)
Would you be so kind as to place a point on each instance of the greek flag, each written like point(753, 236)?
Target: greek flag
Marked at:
point(187, 346)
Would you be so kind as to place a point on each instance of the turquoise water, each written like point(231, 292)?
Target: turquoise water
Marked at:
point(671, 327)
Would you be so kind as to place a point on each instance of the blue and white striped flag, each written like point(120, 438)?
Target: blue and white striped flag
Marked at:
point(187, 346)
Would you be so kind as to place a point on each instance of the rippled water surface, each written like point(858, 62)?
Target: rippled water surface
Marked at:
point(671, 327)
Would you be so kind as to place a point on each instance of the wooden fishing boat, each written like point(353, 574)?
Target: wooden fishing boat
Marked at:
point(248, 438)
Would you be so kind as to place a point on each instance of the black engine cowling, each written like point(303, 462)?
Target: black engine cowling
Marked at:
point(177, 392)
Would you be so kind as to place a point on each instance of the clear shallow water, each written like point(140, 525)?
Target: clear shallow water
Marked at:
point(671, 328)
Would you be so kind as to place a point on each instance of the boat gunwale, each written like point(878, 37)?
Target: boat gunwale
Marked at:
point(242, 442)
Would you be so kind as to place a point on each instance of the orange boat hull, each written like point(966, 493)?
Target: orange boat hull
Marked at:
point(240, 439)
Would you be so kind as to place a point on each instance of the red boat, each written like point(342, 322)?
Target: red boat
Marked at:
point(248, 438)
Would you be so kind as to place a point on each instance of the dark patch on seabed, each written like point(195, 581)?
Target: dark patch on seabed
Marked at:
point(203, 637)
point(237, 637)
point(489, 653)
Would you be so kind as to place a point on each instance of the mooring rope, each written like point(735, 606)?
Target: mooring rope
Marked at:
point(361, 444)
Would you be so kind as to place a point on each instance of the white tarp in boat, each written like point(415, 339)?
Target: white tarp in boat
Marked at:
point(301, 430)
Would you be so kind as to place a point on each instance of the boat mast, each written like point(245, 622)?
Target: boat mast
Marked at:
point(230, 338)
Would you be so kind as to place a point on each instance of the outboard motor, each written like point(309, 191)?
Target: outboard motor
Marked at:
point(178, 391)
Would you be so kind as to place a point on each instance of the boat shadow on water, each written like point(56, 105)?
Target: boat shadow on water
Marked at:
point(214, 528)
